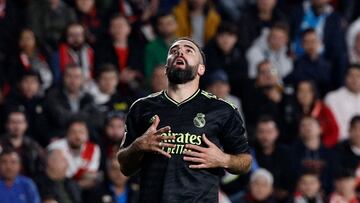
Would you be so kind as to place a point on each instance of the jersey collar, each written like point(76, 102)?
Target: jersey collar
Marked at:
point(183, 102)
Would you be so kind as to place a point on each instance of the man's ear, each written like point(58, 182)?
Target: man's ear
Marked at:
point(201, 69)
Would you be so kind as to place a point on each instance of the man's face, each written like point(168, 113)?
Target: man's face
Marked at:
point(10, 166)
point(29, 86)
point(167, 26)
point(57, 163)
point(27, 40)
point(266, 5)
point(115, 129)
point(85, 6)
point(183, 62)
point(73, 79)
point(119, 28)
point(345, 185)
point(16, 124)
point(75, 36)
point(355, 134)
point(260, 189)
point(277, 39)
point(311, 43)
point(219, 88)
point(319, 3)
point(267, 133)
point(108, 82)
point(158, 80)
point(267, 75)
point(310, 129)
point(353, 80)
point(77, 135)
point(309, 185)
point(305, 94)
point(226, 41)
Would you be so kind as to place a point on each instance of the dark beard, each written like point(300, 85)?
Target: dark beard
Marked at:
point(181, 76)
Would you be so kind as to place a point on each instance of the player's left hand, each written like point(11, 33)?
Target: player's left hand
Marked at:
point(205, 157)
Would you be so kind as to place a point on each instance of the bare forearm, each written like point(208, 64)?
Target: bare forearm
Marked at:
point(237, 164)
point(130, 160)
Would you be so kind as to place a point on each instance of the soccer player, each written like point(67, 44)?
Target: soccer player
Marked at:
point(181, 156)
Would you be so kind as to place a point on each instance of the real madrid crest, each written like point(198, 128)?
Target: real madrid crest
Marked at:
point(199, 120)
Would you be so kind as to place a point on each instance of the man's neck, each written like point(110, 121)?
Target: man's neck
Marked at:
point(181, 92)
point(16, 141)
point(118, 189)
point(268, 150)
point(120, 43)
point(9, 182)
point(265, 15)
point(53, 175)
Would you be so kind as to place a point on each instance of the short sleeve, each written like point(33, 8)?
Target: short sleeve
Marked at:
point(234, 138)
point(132, 126)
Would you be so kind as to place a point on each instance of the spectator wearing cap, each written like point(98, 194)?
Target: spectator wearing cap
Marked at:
point(218, 84)
point(345, 188)
point(113, 135)
point(349, 149)
point(28, 97)
point(30, 152)
point(15, 188)
point(53, 183)
point(222, 52)
point(156, 50)
point(260, 188)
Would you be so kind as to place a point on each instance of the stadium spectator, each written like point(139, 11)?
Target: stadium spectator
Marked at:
point(273, 156)
point(312, 65)
point(29, 98)
point(263, 96)
point(90, 17)
point(116, 187)
point(218, 84)
point(123, 51)
point(30, 152)
point(223, 52)
point(232, 10)
point(273, 48)
point(353, 41)
point(70, 100)
point(113, 134)
point(82, 155)
point(159, 80)
point(156, 50)
point(255, 19)
point(345, 188)
point(345, 101)
point(260, 188)
point(15, 188)
point(76, 51)
point(320, 16)
point(309, 153)
point(308, 189)
point(53, 183)
point(49, 19)
point(197, 19)
point(29, 56)
point(348, 150)
point(309, 104)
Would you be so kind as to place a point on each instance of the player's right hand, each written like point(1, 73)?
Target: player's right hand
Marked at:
point(152, 141)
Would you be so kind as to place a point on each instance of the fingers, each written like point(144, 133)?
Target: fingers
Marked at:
point(196, 148)
point(155, 122)
point(160, 151)
point(199, 166)
point(193, 159)
point(207, 141)
point(194, 154)
point(165, 138)
point(163, 130)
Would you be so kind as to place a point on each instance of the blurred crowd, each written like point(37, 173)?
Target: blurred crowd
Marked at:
point(70, 70)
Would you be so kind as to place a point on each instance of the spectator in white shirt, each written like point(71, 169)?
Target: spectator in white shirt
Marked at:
point(345, 101)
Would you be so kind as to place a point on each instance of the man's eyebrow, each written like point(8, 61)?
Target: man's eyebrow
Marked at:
point(174, 47)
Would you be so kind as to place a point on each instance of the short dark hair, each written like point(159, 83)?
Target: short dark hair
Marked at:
point(15, 109)
point(307, 31)
point(227, 27)
point(30, 73)
point(354, 120)
point(265, 61)
point(76, 119)
point(105, 68)
point(6, 150)
point(353, 66)
point(343, 173)
point(266, 119)
point(192, 41)
point(114, 115)
point(281, 26)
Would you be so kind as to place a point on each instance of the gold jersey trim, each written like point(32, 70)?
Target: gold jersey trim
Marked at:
point(183, 102)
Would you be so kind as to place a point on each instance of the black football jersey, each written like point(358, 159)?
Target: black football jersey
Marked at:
point(171, 180)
